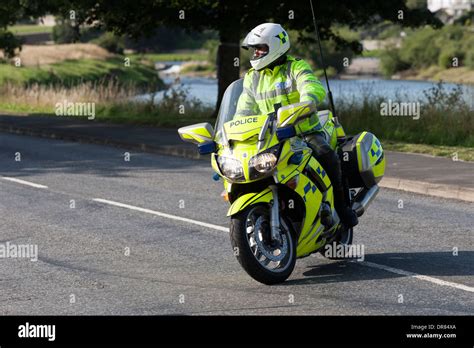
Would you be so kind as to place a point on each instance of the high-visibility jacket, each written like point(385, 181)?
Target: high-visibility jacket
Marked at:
point(288, 83)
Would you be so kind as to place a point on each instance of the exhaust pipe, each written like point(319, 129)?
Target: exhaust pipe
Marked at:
point(363, 199)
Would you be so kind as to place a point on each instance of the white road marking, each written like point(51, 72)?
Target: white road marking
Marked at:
point(169, 216)
point(417, 276)
point(225, 229)
point(24, 182)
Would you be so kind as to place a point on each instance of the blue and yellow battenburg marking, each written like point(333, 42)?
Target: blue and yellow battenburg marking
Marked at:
point(283, 37)
point(321, 172)
point(375, 150)
point(309, 187)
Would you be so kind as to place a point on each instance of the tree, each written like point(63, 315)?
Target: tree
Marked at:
point(10, 12)
point(233, 19)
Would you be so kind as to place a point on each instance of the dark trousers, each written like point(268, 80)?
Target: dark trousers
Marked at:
point(331, 164)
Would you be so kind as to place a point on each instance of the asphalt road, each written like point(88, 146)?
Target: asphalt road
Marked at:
point(98, 258)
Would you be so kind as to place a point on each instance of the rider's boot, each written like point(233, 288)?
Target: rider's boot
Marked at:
point(331, 164)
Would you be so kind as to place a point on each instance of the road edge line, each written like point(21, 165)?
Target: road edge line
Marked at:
point(416, 275)
point(157, 213)
point(221, 228)
point(24, 182)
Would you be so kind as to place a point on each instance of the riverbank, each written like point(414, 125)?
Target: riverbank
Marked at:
point(70, 65)
point(70, 73)
point(461, 75)
point(369, 66)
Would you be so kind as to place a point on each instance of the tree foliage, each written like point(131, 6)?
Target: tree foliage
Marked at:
point(231, 19)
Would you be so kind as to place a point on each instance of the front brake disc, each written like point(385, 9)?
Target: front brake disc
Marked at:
point(271, 253)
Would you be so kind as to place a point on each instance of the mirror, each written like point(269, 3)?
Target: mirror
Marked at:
point(293, 113)
point(197, 133)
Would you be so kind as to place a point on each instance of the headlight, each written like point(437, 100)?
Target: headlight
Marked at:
point(230, 167)
point(263, 162)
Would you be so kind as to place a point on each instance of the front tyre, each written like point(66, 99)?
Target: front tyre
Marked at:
point(250, 235)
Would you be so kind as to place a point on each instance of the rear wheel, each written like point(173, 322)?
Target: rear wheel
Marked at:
point(266, 261)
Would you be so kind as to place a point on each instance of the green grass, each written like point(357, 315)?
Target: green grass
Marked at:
point(371, 54)
point(445, 119)
point(433, 128)
point(198, 68)
point(151, 115)
point(163, 57)
point(130, 113)
point(74, 72)
point(462, 153)
point(330, 71)
point(17, 108)
point(24, 29)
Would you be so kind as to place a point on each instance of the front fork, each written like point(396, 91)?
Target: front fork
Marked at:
point(275, 216)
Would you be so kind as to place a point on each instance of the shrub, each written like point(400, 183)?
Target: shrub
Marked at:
point(448, 53)
point(111, 42)
point(391, 62)
point(211, 46)
point(65, 32)
point(469, 61)
point(419, 49)
point(9, 43)
point(426, 47)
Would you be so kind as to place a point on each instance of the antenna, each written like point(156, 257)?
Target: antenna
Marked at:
point(331, 101)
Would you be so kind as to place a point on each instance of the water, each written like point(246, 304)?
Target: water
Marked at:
point(205, 89)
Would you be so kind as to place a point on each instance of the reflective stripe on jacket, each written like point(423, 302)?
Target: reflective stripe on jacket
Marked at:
point(288, 83)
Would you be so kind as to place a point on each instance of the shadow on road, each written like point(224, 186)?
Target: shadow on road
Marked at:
point(424, 263)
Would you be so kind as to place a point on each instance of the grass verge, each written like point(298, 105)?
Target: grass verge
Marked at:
point(435, 73)
point(462, 153)
point(445, 119)
point(24, 29)
point(69, 73)
point(151, 115)
point(172, 57)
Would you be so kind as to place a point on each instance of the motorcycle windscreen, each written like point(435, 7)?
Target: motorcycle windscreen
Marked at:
point(227, 109)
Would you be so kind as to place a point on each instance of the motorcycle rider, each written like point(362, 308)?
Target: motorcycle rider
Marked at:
point(278, 78)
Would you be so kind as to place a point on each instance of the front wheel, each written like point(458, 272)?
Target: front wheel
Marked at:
point(265, 261)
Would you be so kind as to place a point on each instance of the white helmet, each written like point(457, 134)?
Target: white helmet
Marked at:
point(269, 41)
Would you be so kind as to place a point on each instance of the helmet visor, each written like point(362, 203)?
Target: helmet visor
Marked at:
point(259, 51)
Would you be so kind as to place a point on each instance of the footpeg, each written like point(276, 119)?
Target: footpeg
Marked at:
point(326, 215)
